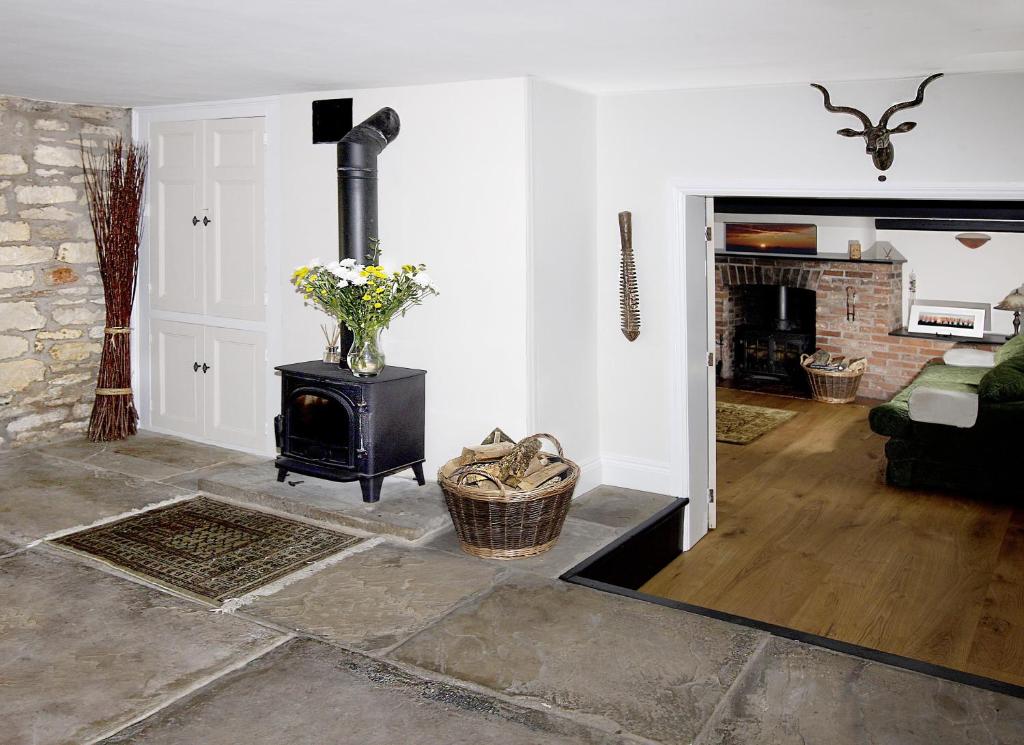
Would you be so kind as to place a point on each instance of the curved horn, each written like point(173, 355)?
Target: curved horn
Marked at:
point(842, 109)
point(908, 104)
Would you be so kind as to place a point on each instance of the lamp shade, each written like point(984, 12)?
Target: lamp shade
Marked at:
point(1013, 301)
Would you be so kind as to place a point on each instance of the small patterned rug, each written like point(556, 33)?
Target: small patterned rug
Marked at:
point(741, 424)
point(208, 549)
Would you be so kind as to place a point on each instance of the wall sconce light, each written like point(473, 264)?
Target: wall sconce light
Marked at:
point(973, 240)
point(851, 304)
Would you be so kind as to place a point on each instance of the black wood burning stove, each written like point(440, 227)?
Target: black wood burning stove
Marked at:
point(334, 425)
point(777, 327)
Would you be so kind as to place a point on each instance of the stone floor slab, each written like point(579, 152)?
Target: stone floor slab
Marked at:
point(307, 693)
point(405, 509)
point(657, 672)
point(579, 539)
point(46, 495)
point(84, 652)
point(7, 547)
point(617, 507)
point(376, 598)
point(147, 455)
point(796, 694)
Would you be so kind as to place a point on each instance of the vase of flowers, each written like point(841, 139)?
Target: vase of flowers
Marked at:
point(365, 298)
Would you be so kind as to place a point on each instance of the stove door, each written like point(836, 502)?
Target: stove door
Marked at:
point(320, 426)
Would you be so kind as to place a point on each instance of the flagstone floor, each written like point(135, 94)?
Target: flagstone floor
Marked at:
point(407, 640)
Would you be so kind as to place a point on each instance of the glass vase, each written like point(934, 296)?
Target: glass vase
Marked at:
point(365, 358)
point(332, 355)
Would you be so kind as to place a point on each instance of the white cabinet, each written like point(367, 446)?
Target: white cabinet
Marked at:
point(208, 382)
point(206, 187)
point(208, 373)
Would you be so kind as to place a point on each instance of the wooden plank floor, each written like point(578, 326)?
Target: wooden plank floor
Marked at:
point(810, 537)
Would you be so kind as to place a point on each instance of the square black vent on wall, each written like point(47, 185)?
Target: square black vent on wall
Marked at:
point(332, 119)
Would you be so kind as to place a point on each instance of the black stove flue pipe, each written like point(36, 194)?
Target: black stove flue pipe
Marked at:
point(357, 182)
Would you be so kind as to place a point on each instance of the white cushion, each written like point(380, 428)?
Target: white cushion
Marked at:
point(969, 358)
point(942, 406)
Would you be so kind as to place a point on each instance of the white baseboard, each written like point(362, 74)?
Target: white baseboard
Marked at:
point(636, 473)
point(590, 476)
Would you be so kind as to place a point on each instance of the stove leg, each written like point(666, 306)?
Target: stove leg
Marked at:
point(417, 470)
point(371, 488)
point(281, 473)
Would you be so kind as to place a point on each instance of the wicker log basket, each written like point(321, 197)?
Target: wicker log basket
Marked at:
point(498, 522)
point(834, 386)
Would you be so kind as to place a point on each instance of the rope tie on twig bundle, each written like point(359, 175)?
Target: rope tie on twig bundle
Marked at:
point(113, 391)
point(114, 331)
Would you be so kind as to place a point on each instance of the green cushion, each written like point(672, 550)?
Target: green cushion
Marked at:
point(1013, 348)
point(1004, 382)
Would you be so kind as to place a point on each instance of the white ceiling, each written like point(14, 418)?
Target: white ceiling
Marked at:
point(136, 52)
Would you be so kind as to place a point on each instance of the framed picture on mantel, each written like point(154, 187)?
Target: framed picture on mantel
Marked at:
point(771, 238)
point(947, 320)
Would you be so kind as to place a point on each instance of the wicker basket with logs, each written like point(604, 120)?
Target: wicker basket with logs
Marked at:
point(506, 500)
point(834, 386)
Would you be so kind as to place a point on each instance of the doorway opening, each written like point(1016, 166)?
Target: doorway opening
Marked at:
point(852, 521)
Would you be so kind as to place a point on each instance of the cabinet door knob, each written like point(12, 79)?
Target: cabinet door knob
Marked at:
point(206, 221)
point(195, 220)
point(206, 367)
point(195, 367)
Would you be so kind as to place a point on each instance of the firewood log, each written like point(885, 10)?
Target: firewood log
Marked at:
point(543, 475)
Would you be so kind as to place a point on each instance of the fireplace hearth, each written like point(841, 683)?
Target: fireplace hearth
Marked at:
point(334, 425)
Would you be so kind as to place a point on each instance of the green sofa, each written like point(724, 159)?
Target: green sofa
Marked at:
point(977, 459)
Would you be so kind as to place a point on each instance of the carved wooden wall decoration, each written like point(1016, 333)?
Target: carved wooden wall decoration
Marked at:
point(629, 300)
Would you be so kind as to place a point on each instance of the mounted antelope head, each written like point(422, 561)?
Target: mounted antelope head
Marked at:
point(876, 136)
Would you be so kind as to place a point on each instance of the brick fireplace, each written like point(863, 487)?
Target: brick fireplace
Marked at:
point(893, 361)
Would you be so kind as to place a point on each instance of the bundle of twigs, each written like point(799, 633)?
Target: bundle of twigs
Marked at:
point(114, 184)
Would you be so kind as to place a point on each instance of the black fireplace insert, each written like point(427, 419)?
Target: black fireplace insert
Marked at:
point(776, 326)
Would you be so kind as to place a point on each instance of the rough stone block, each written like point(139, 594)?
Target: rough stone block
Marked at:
point(51, 125)
point(72, 315)
point(47, 213)
point(61, 276)
point(45, 194)
point(86, 653)
point(12, 346)
point(18, 375)
point(61, 334)
point(376, 598)
point(74, 351)
point(20, 278)
point(11, 232)
point(77, 253)
point(54, 155)
point(657, 672)
point(12, 165)
point(21, 255)
point(21, 315)
point(35, 421)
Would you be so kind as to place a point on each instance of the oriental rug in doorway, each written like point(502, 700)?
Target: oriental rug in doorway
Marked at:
point(206, 548)
point(741, 424)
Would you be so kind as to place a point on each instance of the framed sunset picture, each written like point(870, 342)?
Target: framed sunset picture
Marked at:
point(771, 238)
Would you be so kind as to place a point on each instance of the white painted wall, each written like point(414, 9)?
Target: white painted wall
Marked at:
point(947, 270)
point(781, 137)
point(563, 130)
point(453, 194)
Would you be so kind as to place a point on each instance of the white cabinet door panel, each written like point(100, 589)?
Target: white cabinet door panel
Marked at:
point(235, 381)
point(177, 392)
point(234, 249)
point(176, 189)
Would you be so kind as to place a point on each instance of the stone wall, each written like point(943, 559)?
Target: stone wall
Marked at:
point(51, 298)
point(893, 361)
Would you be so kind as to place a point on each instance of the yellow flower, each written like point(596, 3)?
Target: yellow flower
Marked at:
point(380, 290)
point(301, 272)
point(367, 297)
point(376, 305)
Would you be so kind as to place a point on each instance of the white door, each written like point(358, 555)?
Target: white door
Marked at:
point(709, 271)
point(232, 218)
point(176, 201)
point(176, 398)
point(697, 367)
point(234, 372)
